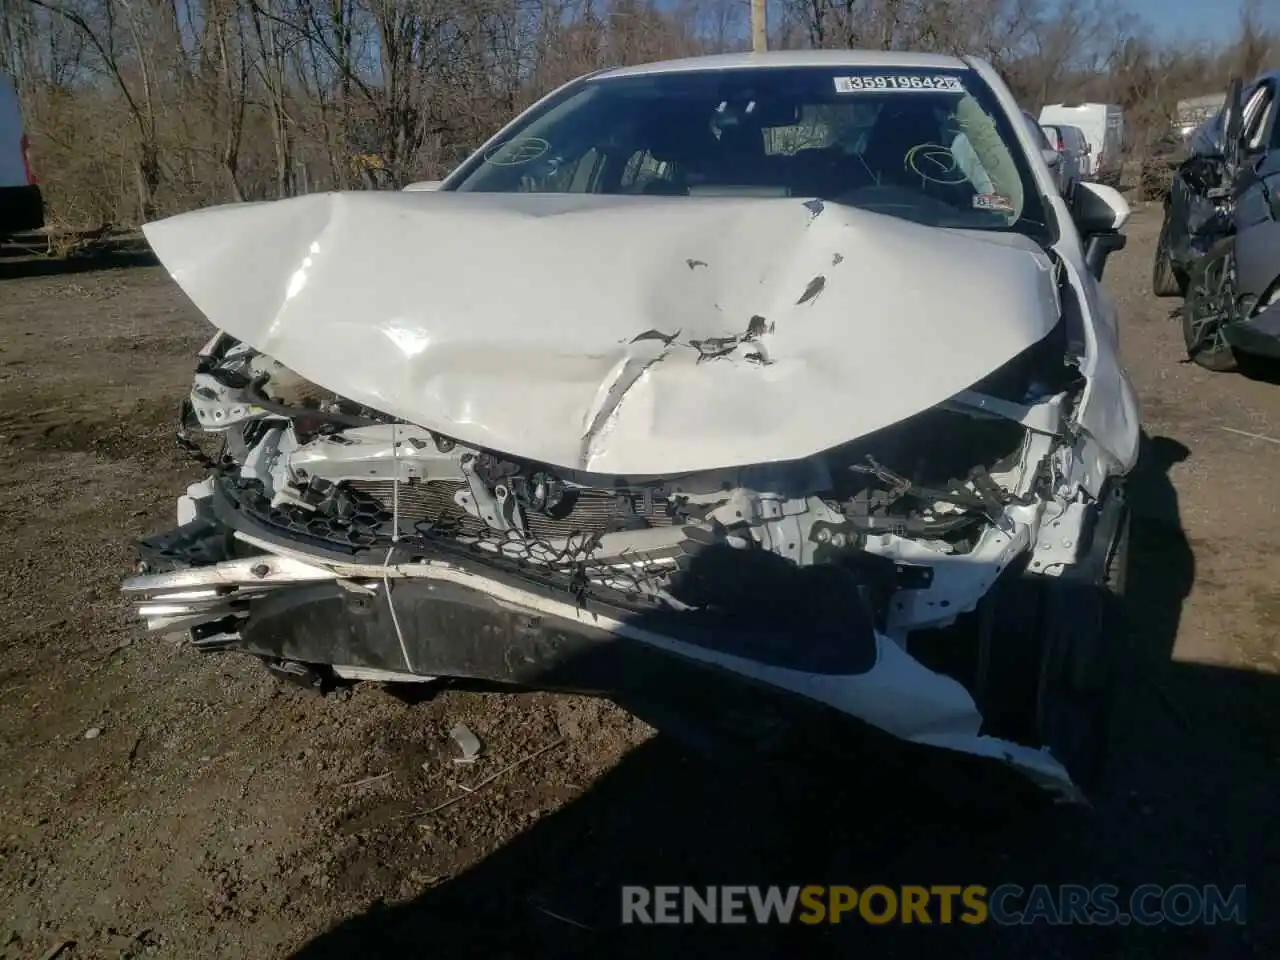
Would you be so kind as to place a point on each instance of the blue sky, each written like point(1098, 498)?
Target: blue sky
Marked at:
point(1210, 20)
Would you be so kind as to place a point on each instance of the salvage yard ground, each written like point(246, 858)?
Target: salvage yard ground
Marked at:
point(156, 802)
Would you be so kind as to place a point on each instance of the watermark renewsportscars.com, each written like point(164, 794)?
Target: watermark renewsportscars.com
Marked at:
point(1005, 905)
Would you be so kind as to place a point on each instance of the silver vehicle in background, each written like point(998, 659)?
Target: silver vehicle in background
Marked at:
point(1062, 177)
point(1103, 127)
point(1073, 147)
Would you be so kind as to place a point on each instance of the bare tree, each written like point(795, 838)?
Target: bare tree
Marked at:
point(102, 27)
point(1254, 45)
point(145, 107)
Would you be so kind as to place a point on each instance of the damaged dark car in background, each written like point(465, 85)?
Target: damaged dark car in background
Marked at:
point(1219, 246)
point(796, 376)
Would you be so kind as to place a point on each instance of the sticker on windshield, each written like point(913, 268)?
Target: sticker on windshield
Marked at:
point(994, 202)
point(889, 83)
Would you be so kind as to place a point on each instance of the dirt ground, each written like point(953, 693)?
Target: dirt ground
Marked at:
point(159, 802)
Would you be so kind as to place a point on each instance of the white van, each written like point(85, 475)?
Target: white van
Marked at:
point(1103, 127)
point(21, 206)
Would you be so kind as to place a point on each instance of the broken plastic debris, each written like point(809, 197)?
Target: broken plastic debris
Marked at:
point(467, 742)
point(57, 949)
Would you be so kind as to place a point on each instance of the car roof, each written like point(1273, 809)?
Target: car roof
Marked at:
point(778, 59)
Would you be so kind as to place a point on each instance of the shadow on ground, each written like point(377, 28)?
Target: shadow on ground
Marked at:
point(1188, 798)
point(1262, 369)
point(24, 260)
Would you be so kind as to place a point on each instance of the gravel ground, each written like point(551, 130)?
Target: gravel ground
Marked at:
point(156, 802)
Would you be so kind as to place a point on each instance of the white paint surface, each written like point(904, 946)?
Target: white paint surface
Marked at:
point(507, 320)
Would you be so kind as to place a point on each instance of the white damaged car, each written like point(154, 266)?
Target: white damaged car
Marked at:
point(792, 370)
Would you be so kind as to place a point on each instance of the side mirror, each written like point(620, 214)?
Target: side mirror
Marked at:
point(1051, 157)
point(1099, 212)
point(1099, 209)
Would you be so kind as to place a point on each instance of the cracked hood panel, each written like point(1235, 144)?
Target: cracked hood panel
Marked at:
point(616, 335)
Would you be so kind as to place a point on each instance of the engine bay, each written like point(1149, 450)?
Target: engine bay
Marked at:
point(922, 515)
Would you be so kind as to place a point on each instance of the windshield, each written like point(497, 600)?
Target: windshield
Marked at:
point(932, 146)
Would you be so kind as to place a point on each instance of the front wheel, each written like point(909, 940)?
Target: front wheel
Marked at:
point(1051, 647)
point(1210, 306)
point(1166, 279)
point(1086, 638)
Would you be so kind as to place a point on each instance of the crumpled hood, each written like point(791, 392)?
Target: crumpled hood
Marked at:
point(618, 335)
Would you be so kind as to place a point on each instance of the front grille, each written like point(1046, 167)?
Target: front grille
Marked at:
point(582, 512)
point(421, 502)
point(365, 526)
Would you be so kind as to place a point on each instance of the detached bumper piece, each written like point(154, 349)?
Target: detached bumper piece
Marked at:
point(455, 619)
point(1258, 335)
point(459, 618)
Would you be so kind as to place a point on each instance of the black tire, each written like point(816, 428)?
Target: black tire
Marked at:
point(1054, 645)
point(1166, 279)
point(1086, 633)
point(1210, 306)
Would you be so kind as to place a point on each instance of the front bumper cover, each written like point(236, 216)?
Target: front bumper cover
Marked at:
point(460, 617)
point(1259, 335)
